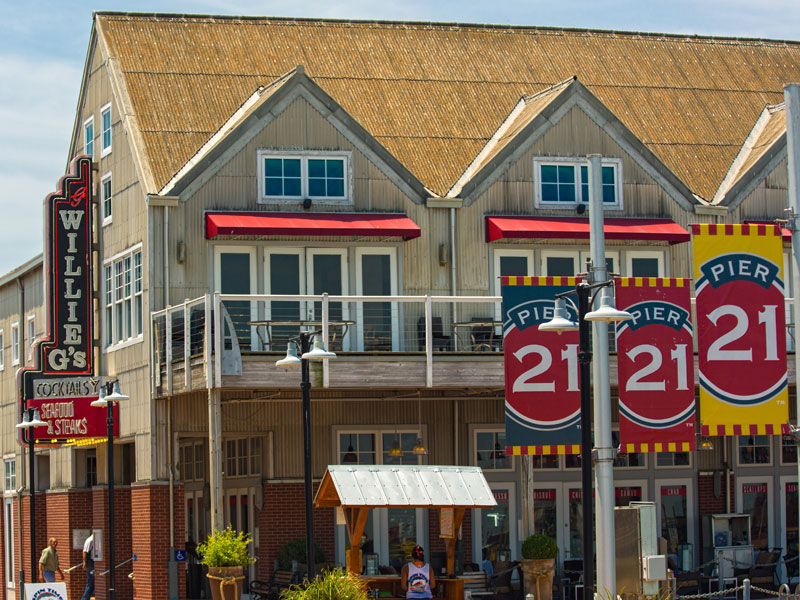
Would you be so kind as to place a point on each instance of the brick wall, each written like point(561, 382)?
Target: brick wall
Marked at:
point(67, 511)
point(149, 509)
point(283, 518)
point(708, 503)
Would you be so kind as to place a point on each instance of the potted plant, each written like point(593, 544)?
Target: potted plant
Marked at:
point(226, 555)
point(330, 585)
point(538, 565)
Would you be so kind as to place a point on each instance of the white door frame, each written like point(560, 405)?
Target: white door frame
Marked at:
point(251, 251)
point(392, 252)
point(766, 479)
point(237, 493)
point(513, 528)
point(691, 510)
point(784, 481)
point(8, 546)
point(561, 524)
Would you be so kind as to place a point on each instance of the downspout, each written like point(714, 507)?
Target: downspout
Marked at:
point(454, 316)
point(22, 454)
point(166, 256)
point(170, 452)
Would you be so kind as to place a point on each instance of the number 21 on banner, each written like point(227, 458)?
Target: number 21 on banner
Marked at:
point(678, 355)
point(524, 382)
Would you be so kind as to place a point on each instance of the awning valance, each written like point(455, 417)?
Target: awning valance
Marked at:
point(337, 224)
point(663, 230)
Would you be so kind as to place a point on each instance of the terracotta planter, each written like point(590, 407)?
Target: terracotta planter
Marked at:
point(225, 582)
point(537, 577)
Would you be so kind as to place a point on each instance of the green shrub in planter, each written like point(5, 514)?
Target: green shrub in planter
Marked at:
point(226, 548)
point(296, 550)
point(539, 546)
point(331, 585)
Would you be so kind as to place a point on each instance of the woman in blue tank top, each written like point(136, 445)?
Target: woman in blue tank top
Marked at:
point(417, 578)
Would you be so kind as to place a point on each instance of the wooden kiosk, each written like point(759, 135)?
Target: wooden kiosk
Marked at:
point(451, 490)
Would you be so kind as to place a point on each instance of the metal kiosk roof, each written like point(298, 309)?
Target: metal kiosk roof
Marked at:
point(357, 488)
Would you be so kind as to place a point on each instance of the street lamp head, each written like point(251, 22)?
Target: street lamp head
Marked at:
point(37, 421)
point(560, 321)
point(291, 359)
point(101, 399)
point(318, 352)
point(28, 422)
point(607, 311)
point(116, 395)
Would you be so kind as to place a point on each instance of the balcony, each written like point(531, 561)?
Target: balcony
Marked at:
point(380, 341)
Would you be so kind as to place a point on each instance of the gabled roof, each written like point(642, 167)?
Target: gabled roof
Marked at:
point(434, 94)
point(765, 145)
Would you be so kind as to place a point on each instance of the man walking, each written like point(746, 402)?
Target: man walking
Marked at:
point(48, 562)
point(88, 566)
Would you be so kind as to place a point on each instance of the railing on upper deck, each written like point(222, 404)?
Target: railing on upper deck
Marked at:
point(378, 325)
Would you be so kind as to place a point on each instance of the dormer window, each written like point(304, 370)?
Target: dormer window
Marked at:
point(564, 183)
point(323, 177)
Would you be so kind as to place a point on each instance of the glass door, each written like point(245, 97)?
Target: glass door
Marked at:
point(626, 492)
point(376, 273)
point(495, 529)
point(676, 519)
point(789, 519)
point(754, 497)
point(284, 274)
point(398, 531)
point(239, 507)
point(234, 274)
point(547, 514)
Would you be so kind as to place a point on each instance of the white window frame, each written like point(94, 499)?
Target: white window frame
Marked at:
point(30, 335)
point(497, 255)
point(15, 343)
point(474, 450)
point(107, 218)
point(672, 466)
point(254, 455)
point(9, 461)
point(304, 156)
point(251, 251)
point(545, 254)
point(106, 150)
point(135, 338)
point(86, 142)
point(540, 161)
point(780, 448)
point(765, 479)
point(2, 349)
point(657, 254)
point(372, 250)
point(754, 464)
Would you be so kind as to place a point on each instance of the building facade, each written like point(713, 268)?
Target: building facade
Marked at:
point(259, 177)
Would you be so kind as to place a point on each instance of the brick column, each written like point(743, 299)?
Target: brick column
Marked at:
point(149, 506)
point(40, 533)
point(100, 521)
point(67, 511)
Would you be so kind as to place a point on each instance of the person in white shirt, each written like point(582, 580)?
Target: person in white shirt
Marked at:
point(88, 566)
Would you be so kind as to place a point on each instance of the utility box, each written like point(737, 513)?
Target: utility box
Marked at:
point(639, 566)
point(726, 540)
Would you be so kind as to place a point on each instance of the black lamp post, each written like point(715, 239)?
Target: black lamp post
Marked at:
point(318, 352)
point(110, 394)
point(559, 324)
point(30, 419)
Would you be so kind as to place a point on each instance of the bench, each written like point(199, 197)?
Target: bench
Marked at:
point(271, 590)
point(477, 584)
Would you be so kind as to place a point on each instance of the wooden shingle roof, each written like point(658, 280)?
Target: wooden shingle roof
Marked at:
point(435, 94)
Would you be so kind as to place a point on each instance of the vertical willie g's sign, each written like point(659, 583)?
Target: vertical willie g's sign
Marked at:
point(66, 350)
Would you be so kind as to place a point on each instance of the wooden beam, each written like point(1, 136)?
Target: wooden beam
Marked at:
point(450, 543)
point(356, 521)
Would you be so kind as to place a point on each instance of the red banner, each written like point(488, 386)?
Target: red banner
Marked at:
point(656, 365)
point(677, 490)
point(755, 488)
point(544, 495)
point(543, 403)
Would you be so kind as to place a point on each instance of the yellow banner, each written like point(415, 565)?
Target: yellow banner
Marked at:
point(741, 329)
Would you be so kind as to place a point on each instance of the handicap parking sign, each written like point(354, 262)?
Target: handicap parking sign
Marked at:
point(180, 555)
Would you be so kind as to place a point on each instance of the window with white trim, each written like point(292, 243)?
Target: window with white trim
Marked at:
point(122, 296)
point(755, 449)
point(243, 457)
point(31, 331)
point(88, 137)
point(105, 120)
point(564, 182)
point(10, 475)
point(293, 176)
point(673, 459)
point(105, 198)
point(15, 343)
point(2, 349)
point(192, 465)
point(644, 263)
point(490, 450)
point(373, 447)
point(788, 451)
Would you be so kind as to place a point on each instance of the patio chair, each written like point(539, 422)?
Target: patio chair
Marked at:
point(439, 340)
point(762, 573)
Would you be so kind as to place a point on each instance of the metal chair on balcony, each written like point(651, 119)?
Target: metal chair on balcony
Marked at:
point(439, 340)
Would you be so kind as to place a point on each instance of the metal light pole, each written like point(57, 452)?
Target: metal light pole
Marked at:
point(290, 360)
point(30, 420)
point(108, 399)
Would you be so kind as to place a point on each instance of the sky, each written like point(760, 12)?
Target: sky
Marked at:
point(43, 47)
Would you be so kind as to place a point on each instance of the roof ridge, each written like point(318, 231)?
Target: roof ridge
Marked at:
point(545, 29)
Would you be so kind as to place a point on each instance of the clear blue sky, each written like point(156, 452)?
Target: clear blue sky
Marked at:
point(43, 46)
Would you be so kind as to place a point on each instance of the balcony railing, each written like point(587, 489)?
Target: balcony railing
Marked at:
point(242, 325)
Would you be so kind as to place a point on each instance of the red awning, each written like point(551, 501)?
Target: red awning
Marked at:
point(663, 230)
point(344, 224)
